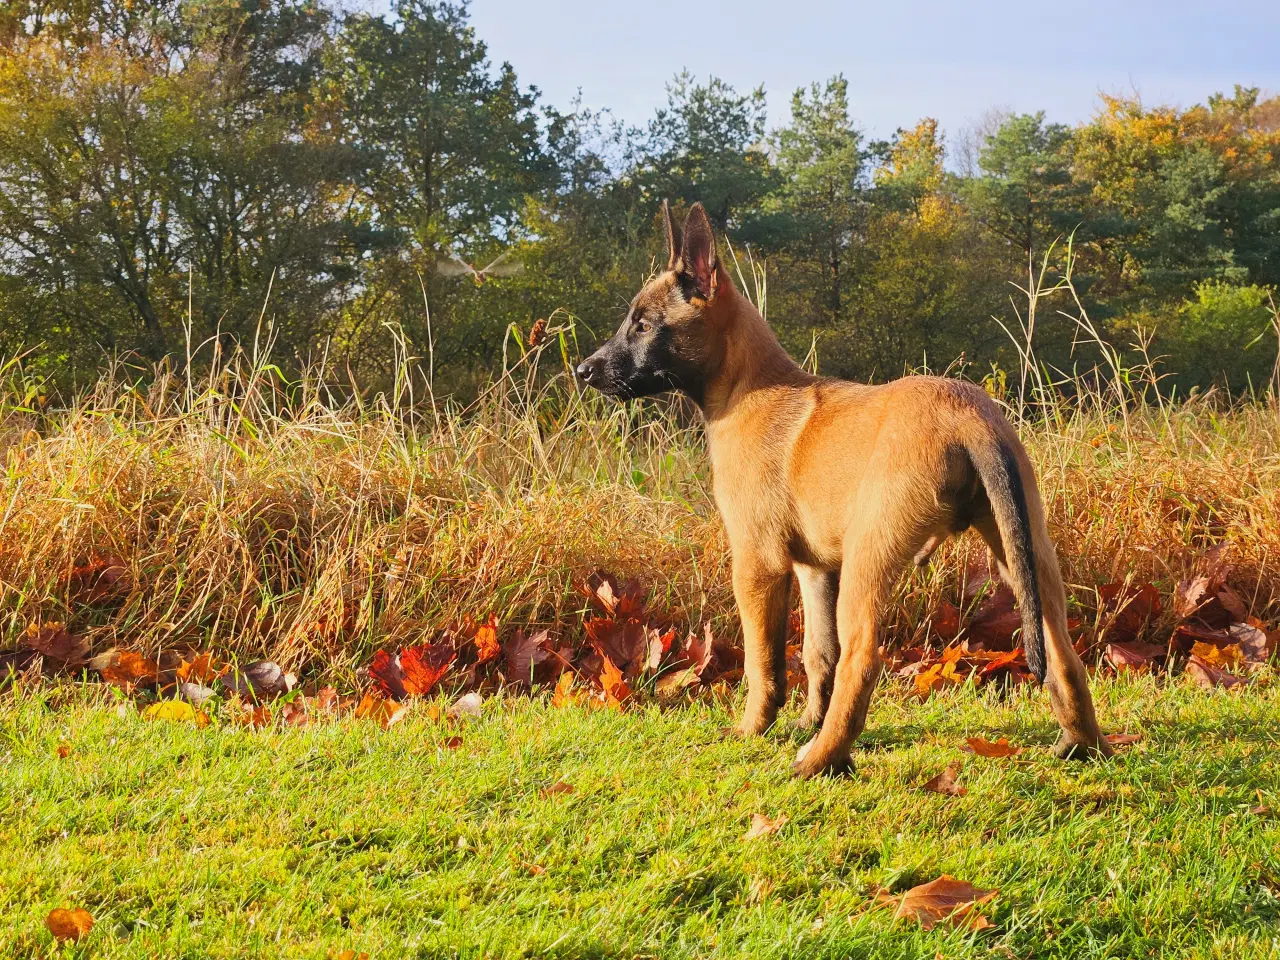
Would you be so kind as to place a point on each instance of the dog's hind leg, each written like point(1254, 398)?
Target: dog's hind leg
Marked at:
point(1066, 679)
point(818, 591)
point(763, 597)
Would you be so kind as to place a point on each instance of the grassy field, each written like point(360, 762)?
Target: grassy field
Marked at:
point(224, 842)
point(256, 518)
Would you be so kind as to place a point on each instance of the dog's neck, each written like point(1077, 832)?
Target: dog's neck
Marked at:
point(749, 359)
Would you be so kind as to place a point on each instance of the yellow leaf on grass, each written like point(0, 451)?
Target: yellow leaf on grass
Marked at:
point(176, 711)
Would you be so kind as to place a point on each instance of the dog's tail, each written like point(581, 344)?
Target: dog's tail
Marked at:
point(997, 467)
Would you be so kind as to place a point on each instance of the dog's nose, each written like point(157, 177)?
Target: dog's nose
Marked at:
point(586, 370)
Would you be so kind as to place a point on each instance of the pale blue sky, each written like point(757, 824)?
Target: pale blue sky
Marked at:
point(903, 60)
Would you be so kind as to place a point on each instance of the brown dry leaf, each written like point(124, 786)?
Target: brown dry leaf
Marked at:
point(69, 923)
point(1208, 676)
point(985, 748)
point(762, 826)
point(995, 622)
point(373, 706)
point(101, 578)
point(129, 670)
point(946, 621)
point(349, 955)
point(945, 900)
point(294, 712)
point(55, 642)
point(201, 668)
point(453, 743)
point(524, 653)
point(557, 788)
point(616, 690)
point(64, 751)
point(1134, 655)
point(255, 718)
point(326, 700)
point(1128, 608)
point(945, 782)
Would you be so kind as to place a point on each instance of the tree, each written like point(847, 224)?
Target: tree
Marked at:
point(814, 216)
point(169, 157)
point(706, 145)
point(453, 150)
point(1026, 194)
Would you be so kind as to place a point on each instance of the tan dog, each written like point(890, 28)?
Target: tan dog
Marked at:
point(840, 485)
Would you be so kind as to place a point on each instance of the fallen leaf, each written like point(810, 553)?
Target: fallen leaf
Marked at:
point(995, 623)
point(373, 706)
point(659, 646)
point(326, 700)
point(1127, 608)
point(255, 718)
point(945, 782)
point(1208, 676)
point(486, 641)
point(557, 788)
point(101, 578)
point(201, 669)
point(985, 748)
point(616, 690)
point(945, 900)
point(524, 653)
point(625, 642)
point(69, 923)
point(762, 826)
point(127, 669)
point(1134, 655)
point(195, 694)
point(565, 695)
point(262, 680)
point(55, 642)
point(1224, 658)
point(453, 743)
point(467, 705)
point(64, 751)
point(946, 621)
point(423, 665)
point(175, 711)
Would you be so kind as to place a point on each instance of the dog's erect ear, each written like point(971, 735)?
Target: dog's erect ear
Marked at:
point(674, 241)
point(698, 252)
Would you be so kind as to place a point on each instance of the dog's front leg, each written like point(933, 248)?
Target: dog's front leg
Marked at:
point(762, 596)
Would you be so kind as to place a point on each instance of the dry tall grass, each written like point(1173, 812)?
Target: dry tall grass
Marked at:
point(267, 519)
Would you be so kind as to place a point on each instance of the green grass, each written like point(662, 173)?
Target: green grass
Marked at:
point(225, 842)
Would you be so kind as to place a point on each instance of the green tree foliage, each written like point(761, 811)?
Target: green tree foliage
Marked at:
point(170, 159)
point(706, 144)
point(816, 212)
point(166, 163)
point(1026, 194)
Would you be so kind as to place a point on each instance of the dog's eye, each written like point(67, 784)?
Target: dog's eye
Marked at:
point(642, 324)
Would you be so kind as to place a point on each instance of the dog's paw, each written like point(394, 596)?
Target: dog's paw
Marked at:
point(753, 727)
point(1069, 747)
point(807, 722)
point(813, 763)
